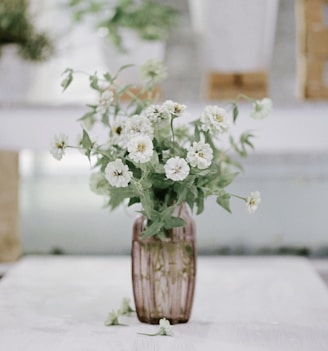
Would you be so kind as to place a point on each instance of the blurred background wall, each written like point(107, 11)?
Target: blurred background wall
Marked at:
point(59, 214)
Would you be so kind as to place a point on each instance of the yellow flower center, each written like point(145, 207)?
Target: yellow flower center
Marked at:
point(219, 118)
point(118, 130)
point(141, 147)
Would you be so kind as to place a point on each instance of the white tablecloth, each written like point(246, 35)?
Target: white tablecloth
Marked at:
point(61, 303)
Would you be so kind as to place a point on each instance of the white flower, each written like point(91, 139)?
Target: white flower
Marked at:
point(176, 168)
point(136, 125)
point(174, 108)
point(58, 146)
point(153, 70)
point(140, 148)
point(105, 100)
point(262, 108)
point(118, 174)
point(157, 114)
point(117, 128)
point(125, 309)
point(165, 328)
point(98, 183)
point(214, 119)
point(112, 319)
point(200, 155)
point(253, 201)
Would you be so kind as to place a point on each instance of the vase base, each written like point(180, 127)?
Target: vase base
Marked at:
point(155, 320)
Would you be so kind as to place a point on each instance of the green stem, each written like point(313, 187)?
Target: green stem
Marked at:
point(172, 130)
point(239, 197)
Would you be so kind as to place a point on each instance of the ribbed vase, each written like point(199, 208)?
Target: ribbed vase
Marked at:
point(163, 271)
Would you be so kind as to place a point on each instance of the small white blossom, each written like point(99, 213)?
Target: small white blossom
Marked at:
point(118, 174)
point(98, 183)
point(58, 146)
point(153, 70)
point(125, 309)
point(112, 319)
point(214, 119)
point(261, 108)
point(176, 168)
point(174, 108)
point(140, 148)
point(157, 114)
point(136, 125)
point(105, 100)
point(165, 328)
point(253, 201)
point(118, 135)
point(200, 155)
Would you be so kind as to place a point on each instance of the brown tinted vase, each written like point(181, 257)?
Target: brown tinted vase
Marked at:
point(163, 271)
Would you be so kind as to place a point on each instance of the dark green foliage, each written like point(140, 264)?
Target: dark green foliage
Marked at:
point(16, 27)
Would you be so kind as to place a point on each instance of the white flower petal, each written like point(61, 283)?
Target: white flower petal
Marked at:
point(153, 70)
point(215, 120)
point(136, 125)
point(253, 201)
point(140, 148)
point(176, 168)
point(118, 174)
point(174, 108)
point(200, 155)
point(165, 328)
point(58, 146)
point(262, 108)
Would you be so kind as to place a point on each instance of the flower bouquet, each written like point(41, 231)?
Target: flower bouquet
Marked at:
point(151, 156)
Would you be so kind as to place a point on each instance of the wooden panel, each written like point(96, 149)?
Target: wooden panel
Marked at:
point(9, 216)
point(317, 43)
point(312, 40)
point(315, 70)
point(314, 12)
point(226, 86)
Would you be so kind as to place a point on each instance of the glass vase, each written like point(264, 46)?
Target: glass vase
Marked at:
point(163, 271)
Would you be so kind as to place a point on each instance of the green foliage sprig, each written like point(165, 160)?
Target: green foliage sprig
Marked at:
point(151, 20)
point(16, 27)
point(153, 157)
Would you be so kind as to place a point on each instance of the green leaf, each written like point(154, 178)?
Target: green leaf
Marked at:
point(146, 202)
point(94, 81)
point(174, 222)
point(191, 196)
point(108, 77)
point(68, 79)
point(134, 200)
point(153, 229)
point(86, 143)
point(200, 201)
point(226, 179)
point(244, 139)
point(197, 133)
point(235, 112)
point(240, 150)
point(224, 200)
point(105, 119)
point(118, 195)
